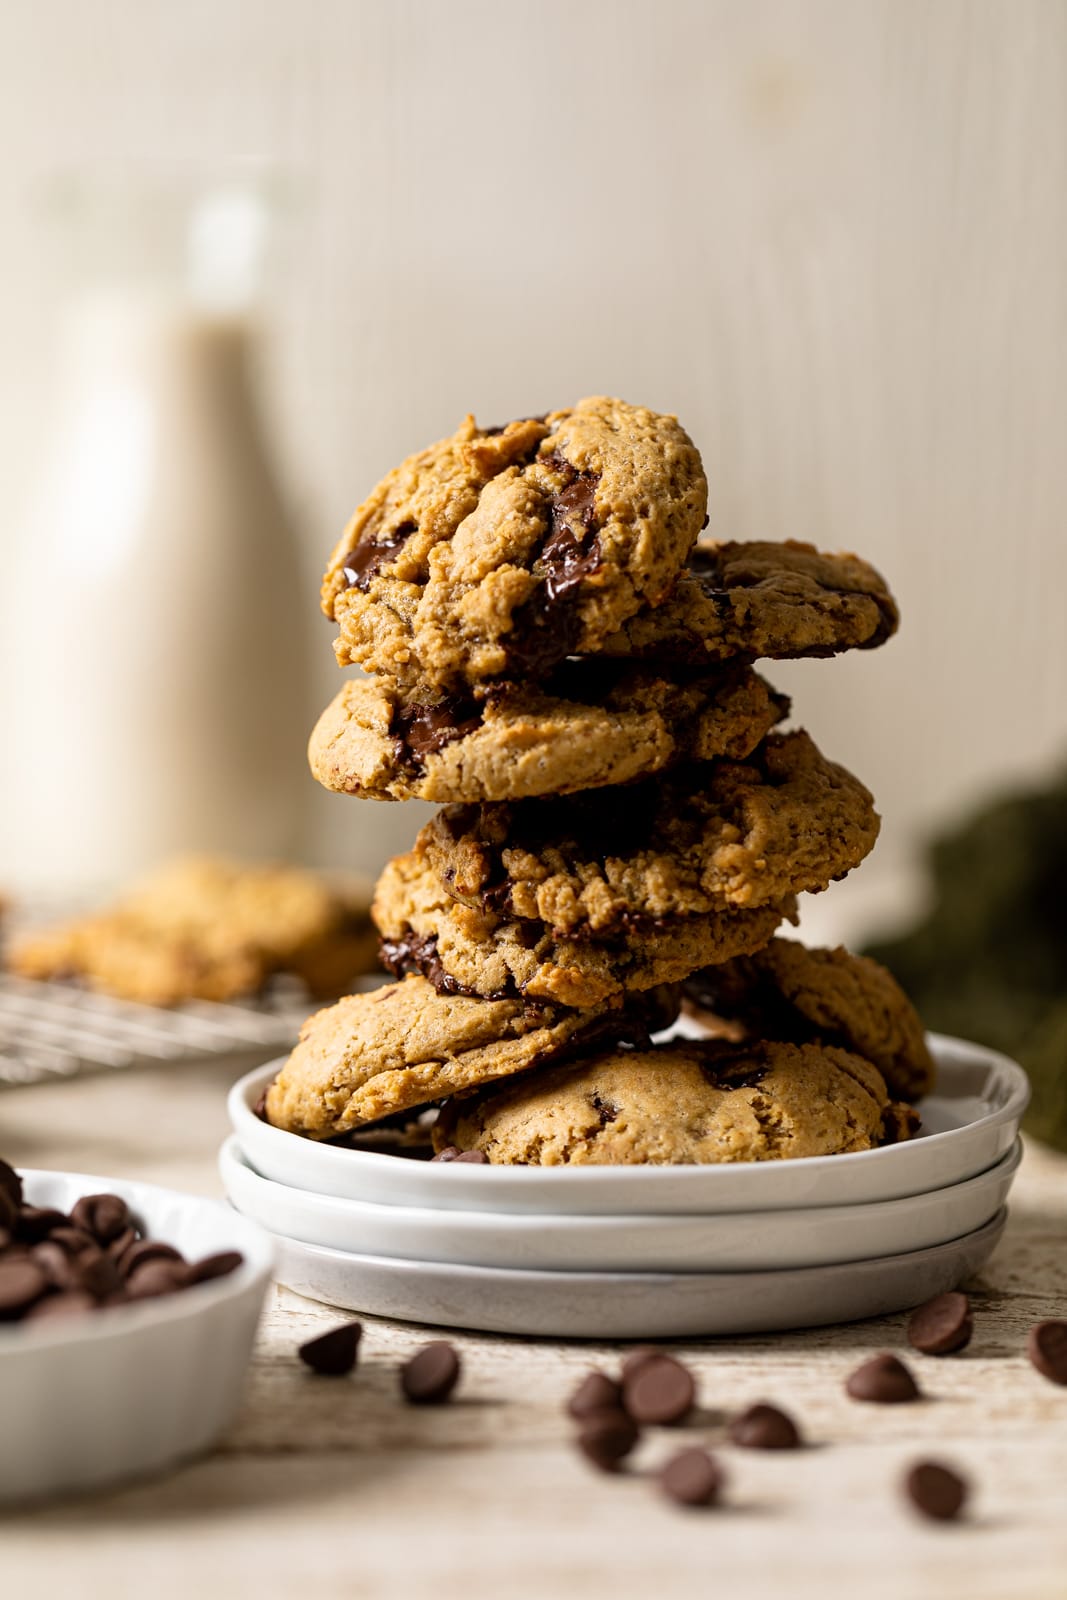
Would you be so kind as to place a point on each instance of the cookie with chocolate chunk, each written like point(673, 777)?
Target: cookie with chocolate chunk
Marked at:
point(762, 599)
point(498, 552)
point(404, 1045)
point(593, 723)
point(684, 1101)
point(209, 929)
point(478, 949)
point(790, 992)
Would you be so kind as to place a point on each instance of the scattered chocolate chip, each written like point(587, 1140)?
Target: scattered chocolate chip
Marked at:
point(431, 1374)
point(103, 1215)
point(216, 1266)
point(68, 1303)
point(22, 1282)
point(660, 1390)
point(154, 1278)
point(692, 1478)
point(596, 1392)
point(36, 1223)
point(935, 1491)
point(883, 1379)
point(606, 1437)
point(1046, 1345)
point(142, 1250)
point(11, 1184)
point(942, 1325)
point(333, 1354)
point(764, 1427)
point(637, 1358)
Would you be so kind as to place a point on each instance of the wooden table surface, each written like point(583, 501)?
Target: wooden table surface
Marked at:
point(326, 1489)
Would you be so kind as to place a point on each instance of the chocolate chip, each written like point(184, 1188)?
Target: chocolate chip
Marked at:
point(8, 1211)
point(449, 1153)
point(121, 1245)
point(431, 1374)
point(105, 1216)
point(70, 1303)
point(764, 1427)
point(58, 1265)
point(659, 1390)
point(333, 1354)
point(596, 1392)
point(883, 1379)
point(637, 1358)
point(1046, 1345)
point(935, 1491)
point(420, 730)
point(219, 1265)
point(473, 1158)
point(22, 1281)
point(363, 562)
point(692, 1478)
point(10, 1184)
point(142, 1250)
point(36, 1223)
point(98, 1275)
point(74, 1241)
point(153, 1278)
point(607, 1437)
point(942, 1325)
point(417, 952)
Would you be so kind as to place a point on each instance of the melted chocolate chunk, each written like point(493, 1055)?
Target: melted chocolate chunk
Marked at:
point(421, 729)
point(365, 560)
point(543, 632)
point(417, 952)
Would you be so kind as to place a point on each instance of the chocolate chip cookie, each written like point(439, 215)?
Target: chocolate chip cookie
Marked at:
point(404, 1045)
point(592, 723)
point(790, 992)
point(466, 949)
point(206, 929)
point(498, 552)
point(680, 1102)
point(762, 599)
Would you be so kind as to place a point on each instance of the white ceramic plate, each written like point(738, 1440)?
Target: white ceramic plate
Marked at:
point(118, 1393)
point(968, 1125)
point(628, 1305)
point(738, 1241)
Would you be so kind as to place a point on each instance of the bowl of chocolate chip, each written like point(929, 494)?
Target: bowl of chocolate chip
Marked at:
point(127, 1316)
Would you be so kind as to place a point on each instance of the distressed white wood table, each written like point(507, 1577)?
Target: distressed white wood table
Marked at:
point(336, 1488)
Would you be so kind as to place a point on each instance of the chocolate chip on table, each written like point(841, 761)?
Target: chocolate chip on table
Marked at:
point(22, 1282)
point(637, 1358)
point(103, 1215)
point(941, 1326)
point(431, 1374)
point(935, 1491)
point(1046, 1345)
point(885, 1380)
point(692, 1478)
point(606, 1437)
point(333, 1354)
point(596, 1392)
point(659, 1390)
point(764, 1427)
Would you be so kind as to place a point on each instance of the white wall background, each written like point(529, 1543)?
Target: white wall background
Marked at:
point(830, 234)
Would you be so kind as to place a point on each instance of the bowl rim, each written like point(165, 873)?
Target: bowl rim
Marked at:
point(231, 1151)
point(253, 1240)
point(246, 1090)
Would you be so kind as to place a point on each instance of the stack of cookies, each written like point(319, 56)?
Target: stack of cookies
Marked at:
point(554, 657)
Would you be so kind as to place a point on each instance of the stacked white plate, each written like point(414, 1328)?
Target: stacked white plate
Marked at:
point(641, 1252)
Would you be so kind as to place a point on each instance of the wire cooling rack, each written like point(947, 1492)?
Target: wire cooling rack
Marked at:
point(58, 1030)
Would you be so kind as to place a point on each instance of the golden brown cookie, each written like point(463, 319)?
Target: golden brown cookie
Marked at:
point(680, 1102)
point(763, 599)
point(788, 991)
point(478, 950)
point(206, 929)
point(498, 552)
point(593, 723)
point(373, 1055)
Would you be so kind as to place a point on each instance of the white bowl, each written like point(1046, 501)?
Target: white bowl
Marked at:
point(968, 1125)
point(743, 1241)
point(132, 1389)
point(619, 1305)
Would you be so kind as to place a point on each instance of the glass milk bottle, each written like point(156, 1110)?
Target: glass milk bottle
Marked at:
point(153, 640)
